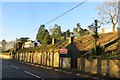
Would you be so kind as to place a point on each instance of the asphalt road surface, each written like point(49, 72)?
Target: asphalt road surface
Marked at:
point(12, 69)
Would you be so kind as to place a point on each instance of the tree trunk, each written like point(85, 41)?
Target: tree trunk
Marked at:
point(113, 28)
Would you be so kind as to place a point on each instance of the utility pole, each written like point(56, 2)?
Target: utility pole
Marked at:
point(96, 35)
point(94, 29)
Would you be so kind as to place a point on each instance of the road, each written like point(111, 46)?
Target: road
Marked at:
point(12, 69)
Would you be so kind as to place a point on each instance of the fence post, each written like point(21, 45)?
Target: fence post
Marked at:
point(99, 65)
point(46, 57)
point(32, 57)
point(40, 58)
point(29, 57)
point(18, 56)
point(82, 64)
point(118, 68)
point(52, 58)
point(108, 67)
point(49, 58)
point(59, 61)
point(36, 57)
point(43, 58)
point(22, 56)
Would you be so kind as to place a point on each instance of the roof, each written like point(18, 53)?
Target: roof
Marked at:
point(82, 44)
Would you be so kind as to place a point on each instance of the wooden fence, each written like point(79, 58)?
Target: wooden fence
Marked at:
point(99, 66)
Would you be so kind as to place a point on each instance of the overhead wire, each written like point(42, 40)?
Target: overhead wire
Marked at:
point(58, 16)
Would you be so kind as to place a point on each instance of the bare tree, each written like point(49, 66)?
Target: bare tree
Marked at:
point(108, 13)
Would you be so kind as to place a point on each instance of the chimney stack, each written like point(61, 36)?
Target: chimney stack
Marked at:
point(71, 38)
point(53, 41)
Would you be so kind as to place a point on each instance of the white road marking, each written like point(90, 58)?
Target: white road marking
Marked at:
point(78, 74)
point(48, 68)
point(33, 75)
point(28, 63)
point(43, 66)
point(60, 70)
point(37, 65)
point(64, 71)
point(69, 72)
point(32, 64)
point(56, 69)
point(14, 66)
point(82, 75)
point(96, 78)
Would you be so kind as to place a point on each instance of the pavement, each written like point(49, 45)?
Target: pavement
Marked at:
point(12, 69)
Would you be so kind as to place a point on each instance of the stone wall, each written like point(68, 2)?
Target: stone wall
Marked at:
point(110, 67)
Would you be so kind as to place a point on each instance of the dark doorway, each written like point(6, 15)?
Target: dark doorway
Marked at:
point(73, 63)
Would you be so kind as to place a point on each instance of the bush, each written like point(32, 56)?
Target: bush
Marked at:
point(99, 50)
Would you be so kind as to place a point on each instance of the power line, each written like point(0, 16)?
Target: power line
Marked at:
point(65, 12)
point(58, 16)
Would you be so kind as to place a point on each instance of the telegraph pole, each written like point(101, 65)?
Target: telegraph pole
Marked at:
point(96, 35)
point(94, 28)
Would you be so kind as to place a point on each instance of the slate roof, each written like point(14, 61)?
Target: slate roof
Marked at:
point(82, 44)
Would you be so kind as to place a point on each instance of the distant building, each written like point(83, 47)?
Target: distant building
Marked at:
point(31, 43)
point(27, 44)
point(9, 45)
point(18, 45)
point(35, 43)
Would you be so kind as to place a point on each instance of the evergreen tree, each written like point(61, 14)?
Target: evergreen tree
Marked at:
point(43, 35)
point(79, 32)
point(56, 32)
point(68, 33)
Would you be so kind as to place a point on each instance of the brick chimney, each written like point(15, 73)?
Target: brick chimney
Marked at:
point(53, 41)
point(71, 38)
